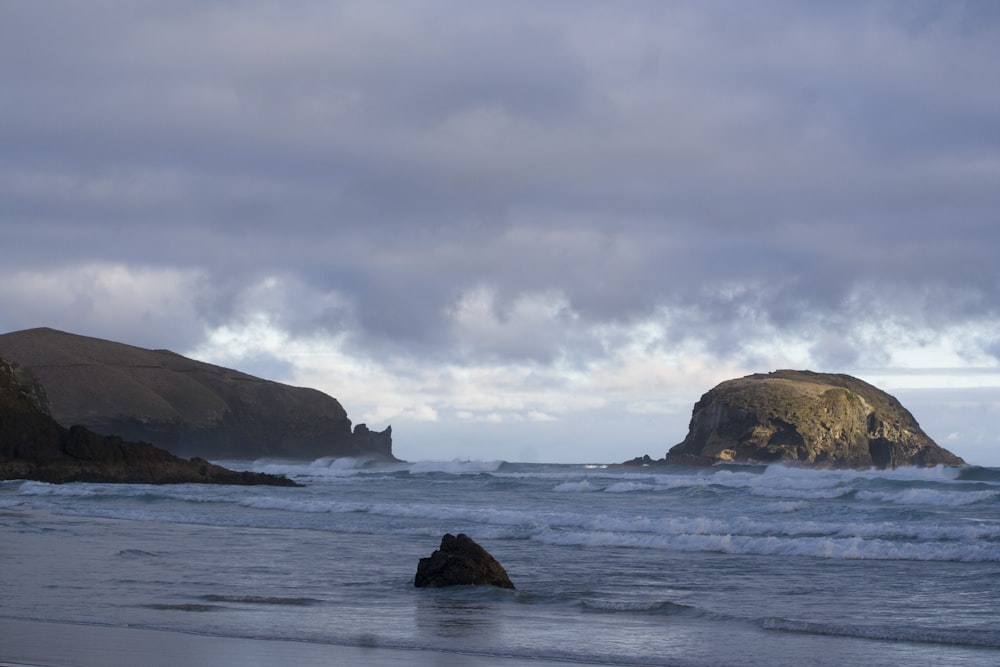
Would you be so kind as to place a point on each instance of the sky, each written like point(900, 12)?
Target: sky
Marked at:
point(529, 231)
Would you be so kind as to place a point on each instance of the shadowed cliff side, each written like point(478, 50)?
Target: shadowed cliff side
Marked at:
point(185, 406)
point(801, 417)
point(33, 446)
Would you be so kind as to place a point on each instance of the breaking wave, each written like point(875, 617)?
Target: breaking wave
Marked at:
point(777, 510)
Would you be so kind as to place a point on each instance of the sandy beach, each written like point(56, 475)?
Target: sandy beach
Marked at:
point(43, 644)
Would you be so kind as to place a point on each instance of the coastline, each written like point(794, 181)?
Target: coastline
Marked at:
point(27, 643)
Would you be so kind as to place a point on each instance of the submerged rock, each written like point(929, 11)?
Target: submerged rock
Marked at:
point(460, 562)
point(801, 417)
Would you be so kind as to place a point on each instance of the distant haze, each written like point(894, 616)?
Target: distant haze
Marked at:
point(518, 230)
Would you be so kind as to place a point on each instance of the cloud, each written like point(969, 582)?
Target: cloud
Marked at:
point(452, 210)
point(130, 304)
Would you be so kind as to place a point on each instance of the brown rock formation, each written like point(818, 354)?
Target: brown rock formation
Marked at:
point(33, 446)
point(801, 417)
point(186, 406)
point(460, 562)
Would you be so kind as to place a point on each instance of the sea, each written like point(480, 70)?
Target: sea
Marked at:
point(728, 565)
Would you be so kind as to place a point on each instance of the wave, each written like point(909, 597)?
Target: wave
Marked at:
point(580, 486)
point(137, 553)
point(446, 512)
point(938, 486)
point(929, 497)
point(967, 540)
point(325, 469)
point(148, 492)
point(632, 523)
point(774, 481)
point(979, 474)
point(789, 530)
point(916, 634)
point(743, 525)
point(837, 548)
point(76, 490)
point(664, 607)
point(184, 606)
point(263, 600)
point(456, 467)
point(628, 487)
point(777, 510)
point(332, 468)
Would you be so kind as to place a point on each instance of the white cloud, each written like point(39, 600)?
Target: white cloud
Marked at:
point(120, 301)
point(530, 325)
point(623, 373)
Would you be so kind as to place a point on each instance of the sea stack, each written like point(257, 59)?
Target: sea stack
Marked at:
point(806, 418)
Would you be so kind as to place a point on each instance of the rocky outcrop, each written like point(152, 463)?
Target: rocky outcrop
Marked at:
point(34, 446)
point(460, 562)
point(185, 406)
point(801, 417)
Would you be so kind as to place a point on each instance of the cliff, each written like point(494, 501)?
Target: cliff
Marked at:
point(33, 446)
point(807, 418)
point(185, 406)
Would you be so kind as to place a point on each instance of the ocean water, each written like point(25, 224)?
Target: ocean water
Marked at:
point(730, 565)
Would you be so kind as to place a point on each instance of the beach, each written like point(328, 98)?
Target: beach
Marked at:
point(42, 644)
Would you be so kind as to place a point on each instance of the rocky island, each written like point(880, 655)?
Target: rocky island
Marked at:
point(805, 418)
point(34, 446)
point(187, 407)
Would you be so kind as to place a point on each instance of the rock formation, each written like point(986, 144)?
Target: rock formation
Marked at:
point(460, 562)
point(801, 417)
point(33, 446)
point(185, 406)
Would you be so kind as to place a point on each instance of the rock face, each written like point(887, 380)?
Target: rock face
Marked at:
point(801, 417)
point(33, 446)
point(460, 562)
point(185, 406)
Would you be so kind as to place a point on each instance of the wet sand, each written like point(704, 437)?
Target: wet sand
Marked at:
point(38, 644)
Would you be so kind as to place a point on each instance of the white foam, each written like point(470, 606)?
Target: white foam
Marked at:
point(456, 467)
point(632, 606)
point(418, 511)
point(582, 486)
point(806, 517)
point(929, 532)
point(331, 469)
point(629, 487)
point(786, 506)
point(787, 482)
point(929, 497)
point(45, 489)
point(818, 547)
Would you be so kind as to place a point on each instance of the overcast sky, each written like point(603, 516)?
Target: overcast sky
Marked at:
point(517, 230)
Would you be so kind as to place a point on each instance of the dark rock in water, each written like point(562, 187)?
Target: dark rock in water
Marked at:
point(644, 461)
point(185, 406)
point(460, 562)
point(34, 446)
point(801, 417)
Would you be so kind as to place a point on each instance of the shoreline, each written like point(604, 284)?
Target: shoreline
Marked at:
point(33, 643)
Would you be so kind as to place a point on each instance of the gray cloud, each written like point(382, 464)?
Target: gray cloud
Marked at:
point(729, 171)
